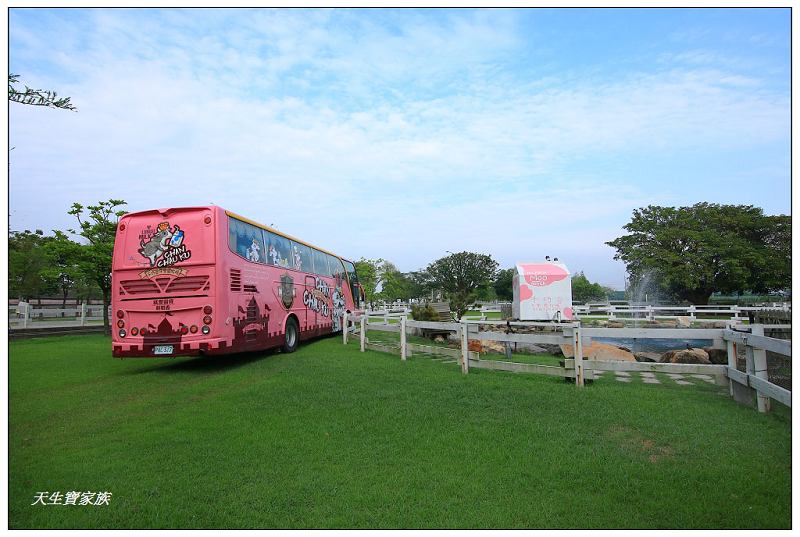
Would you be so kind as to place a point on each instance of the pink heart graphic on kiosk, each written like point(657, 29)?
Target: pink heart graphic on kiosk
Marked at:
point(540, 275)
point(525, 292)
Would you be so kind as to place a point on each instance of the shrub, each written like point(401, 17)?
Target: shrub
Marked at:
point(424, 313)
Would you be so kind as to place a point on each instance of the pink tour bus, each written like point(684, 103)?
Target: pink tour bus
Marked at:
point(202, 280)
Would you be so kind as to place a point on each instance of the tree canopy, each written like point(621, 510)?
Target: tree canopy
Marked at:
point(585, 291)
point(99, 228)
point(36, 97)
point(692, 252)
point(460, 276)
point(503, 284)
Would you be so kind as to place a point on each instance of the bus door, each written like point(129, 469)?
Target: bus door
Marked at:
point(311, 311)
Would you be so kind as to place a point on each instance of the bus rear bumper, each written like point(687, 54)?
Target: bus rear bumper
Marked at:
point(181, 348)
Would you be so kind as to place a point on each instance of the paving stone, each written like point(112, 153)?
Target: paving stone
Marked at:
point(707, 378)
point(648, 380)
point(684, 382)
point(622, 373)
point(675, 376)
point(648, 374)
point(623, 379)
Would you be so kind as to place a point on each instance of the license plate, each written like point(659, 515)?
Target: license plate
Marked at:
point(162, 349)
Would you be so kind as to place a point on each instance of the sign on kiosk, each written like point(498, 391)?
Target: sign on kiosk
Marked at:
point(542, 291)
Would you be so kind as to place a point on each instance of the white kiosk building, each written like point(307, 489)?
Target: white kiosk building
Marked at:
point(542, 292)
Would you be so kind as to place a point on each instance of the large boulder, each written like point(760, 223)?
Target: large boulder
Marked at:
point(599, 351)
point(717, 356)
point(647, 356)
point(685, 356)
point(550, 348)
point(683, 322)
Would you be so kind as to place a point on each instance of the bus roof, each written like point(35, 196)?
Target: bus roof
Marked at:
point(281, 233)
point(239, 217)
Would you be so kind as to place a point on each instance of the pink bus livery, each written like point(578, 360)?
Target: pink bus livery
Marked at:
point(202, 280)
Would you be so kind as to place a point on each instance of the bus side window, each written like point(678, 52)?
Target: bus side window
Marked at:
point(336, 268)
point(279, 251)
point(321, 263)
point(241, 236)
point(301, 257)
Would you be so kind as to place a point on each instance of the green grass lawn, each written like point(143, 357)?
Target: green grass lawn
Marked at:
point(331, 437)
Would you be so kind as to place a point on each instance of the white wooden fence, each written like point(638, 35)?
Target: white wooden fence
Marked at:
point(25, 315)
point(616, 311)
point(743, 385)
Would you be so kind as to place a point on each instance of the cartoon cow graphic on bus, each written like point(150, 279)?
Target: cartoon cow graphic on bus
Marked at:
point(167, 241)
point(157, 245)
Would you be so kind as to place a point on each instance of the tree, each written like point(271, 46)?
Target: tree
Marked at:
point(395, 284)
point(368, 271)
point(692, 252)
point(503, 284)
point(460, 275)
point(585, 291)
point(420, 283)
point(99, 228)
point(26, 261)
point(36, 97)
point(63, 264)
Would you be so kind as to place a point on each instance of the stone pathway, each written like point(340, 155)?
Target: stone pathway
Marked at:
point(650, 378)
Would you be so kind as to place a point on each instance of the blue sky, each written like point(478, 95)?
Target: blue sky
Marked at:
point(402, 134)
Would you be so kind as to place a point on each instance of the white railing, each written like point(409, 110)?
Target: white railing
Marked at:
point(744, 385)
point(25, 315)
point(650, 312)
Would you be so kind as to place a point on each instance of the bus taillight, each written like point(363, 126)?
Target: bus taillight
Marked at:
point(207, 319)
point(184, 329)
point(207, 310)
point(134, 331)
point(206, 329)
point(193, 329)
point(120, 314)
point(120, 324)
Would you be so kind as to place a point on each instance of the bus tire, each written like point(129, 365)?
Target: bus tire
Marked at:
point(291, 335)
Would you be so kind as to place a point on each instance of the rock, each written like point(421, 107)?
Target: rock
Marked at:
point(685, 356)
point(474, 345)
point(647, 356)
point(717, 356)
point(600, 351)
point(683, 322)
point(616, 324)
point(493, 346)
point(439, 339)
point(550, 348)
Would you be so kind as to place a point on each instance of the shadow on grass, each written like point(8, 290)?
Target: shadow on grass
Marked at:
point(206, 364)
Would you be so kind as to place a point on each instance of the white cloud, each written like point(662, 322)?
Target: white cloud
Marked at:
point(318, 120)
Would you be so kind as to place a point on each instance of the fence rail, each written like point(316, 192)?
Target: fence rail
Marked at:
point(25, 315)
point(745, 386)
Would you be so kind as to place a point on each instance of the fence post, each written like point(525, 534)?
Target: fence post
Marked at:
point(731, 362)
point(403, 349)
point(363, 330)
point(578, 346)
point(83, 313)
point(760, 369)
point(386, 317)
point(692, 311)
point(344, 328)
point(25, 312)
point(464, 347)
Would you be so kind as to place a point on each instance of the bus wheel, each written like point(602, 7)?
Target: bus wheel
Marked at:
point(291, 336)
